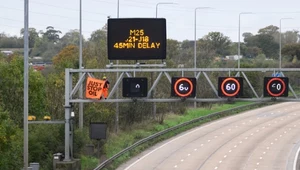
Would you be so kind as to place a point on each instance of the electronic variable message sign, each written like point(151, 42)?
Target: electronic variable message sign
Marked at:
point(135, 87)
point(136, 38)
point(183, 87)
point(230, 86)
point(276, 86)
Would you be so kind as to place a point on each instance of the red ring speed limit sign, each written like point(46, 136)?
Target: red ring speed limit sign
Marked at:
point(183, 87)
point(230, 86)
point(275, 86)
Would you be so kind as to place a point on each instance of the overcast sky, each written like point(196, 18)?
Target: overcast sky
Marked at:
point(63, 15)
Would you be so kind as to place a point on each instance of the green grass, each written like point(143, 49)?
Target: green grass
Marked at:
point(120, 141)
point(89, 163)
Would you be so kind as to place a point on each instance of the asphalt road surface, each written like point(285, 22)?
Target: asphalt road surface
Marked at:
point(262, 139)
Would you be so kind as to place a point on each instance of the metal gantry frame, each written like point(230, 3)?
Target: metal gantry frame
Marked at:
point(72, 88)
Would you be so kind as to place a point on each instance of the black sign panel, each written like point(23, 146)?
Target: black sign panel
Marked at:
point(136, 38)
point(183, 87)
point(230, 86)
point(135, 87)
point(98, 130)
point(276, 86)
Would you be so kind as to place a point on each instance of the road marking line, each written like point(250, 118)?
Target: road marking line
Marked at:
point(296, 159)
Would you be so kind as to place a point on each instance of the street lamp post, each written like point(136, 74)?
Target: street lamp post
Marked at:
point(195, 42)
point(280, 41)
point(26, 82)
point(80, 66)
point(117, 92)
point(195, 34)
point(154, 91)
point(160, 3)
point(239, 43)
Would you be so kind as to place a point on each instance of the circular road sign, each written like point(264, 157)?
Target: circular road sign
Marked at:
point(276, 87)
point(230, 87)
point(183, 87)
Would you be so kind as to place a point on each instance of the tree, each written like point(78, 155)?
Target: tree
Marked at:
point(66, 58)
point(32, 37)
point(11, 90)
point(218, 42)
point(290, 37)
point(173, 52)
point(270, 30)
point(10, 143)
point(51, 34)
point(292, 50)
point(70, 38)
point(267, 44)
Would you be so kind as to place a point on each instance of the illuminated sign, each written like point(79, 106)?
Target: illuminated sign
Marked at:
point(135, 87)
point(230, 86)
point(276, 86)
point(136, 38)
point(183, 87)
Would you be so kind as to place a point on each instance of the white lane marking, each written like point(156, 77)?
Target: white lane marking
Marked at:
point(296, 158)
point(208, 140)
point(222, 133)
point(246, 138)
point(175, 166)
point(268, 148)
point(181, 160)
point(216, 136)
point(260, 157)
point(189, 154)
point(195, 149)
point(276, 139)
point(272, 143)
point(230, 151)
point(179, 137)
point(235, 146)
point(264, 152)
point(257, 163)
point(241, 141)
point(220, 161)
point(225, 156)
point(216, 167)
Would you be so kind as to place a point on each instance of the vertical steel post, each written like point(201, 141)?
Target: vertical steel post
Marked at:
point(117, 92)
point(67, 115)
point(80, 67)
point(26, 77)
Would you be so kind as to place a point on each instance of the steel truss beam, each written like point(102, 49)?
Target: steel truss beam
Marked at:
point(71, 91)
